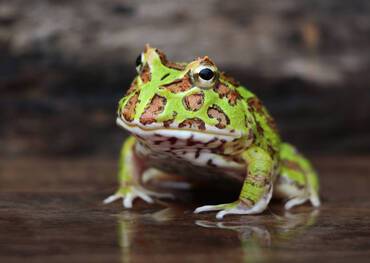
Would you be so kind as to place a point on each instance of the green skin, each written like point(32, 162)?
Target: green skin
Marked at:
point(219, 107)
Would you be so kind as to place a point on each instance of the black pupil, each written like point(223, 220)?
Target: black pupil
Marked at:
point(138, 61)
point(206, 74)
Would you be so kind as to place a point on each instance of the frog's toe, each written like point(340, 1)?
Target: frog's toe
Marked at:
point(128, 196)
point(236, 208)
point(294, 202)
point(208, 208)
point(111, 198)
point(235, 211)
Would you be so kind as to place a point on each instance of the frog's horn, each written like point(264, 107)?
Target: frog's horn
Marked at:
point(207, 60)
point(147, 47)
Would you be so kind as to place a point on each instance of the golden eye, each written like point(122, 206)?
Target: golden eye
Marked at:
point(205, 76)
point(139, 63)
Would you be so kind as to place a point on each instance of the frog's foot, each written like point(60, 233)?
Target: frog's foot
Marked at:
point(238, 207)
point(235, 208)
point(130, 193)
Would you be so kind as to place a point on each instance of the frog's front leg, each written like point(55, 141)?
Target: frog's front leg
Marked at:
point(257, 187)
point(130, 170)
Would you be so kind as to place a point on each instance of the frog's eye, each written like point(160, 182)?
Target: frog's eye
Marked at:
point(139, 63)
point(205, 76)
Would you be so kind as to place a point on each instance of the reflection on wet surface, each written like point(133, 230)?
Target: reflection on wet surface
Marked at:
point(56, 215)
point(252, 238)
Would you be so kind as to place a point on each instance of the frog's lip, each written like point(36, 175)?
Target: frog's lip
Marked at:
point(146, 131)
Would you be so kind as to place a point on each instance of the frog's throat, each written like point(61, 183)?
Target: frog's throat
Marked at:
point(180, 133)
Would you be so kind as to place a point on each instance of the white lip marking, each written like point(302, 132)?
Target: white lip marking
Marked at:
point(181, 134)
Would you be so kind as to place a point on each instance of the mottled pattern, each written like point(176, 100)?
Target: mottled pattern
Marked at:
point(193, 123)
point(145, 74)
point(153, 109)
point(193, 102)
point(128, 112)
point(224, 91)
point(179, 85)
point(229, 79)
point(272, 124)
point(216, 113)
point(259, 129)
point(255, 104)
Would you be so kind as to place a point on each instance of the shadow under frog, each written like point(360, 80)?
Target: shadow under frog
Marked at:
point(174, 232)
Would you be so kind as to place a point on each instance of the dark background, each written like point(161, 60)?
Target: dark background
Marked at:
point(64, 64)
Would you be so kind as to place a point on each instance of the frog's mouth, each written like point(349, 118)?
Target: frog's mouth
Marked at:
point(147, 132)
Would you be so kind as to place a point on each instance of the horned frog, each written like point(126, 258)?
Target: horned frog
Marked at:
point(193, 120)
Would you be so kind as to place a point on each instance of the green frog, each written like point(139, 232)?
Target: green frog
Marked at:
point(195, 121)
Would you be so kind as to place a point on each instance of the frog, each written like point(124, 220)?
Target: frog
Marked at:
point(193, 120)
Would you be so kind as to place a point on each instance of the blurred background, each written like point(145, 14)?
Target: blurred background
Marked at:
point(64, 65)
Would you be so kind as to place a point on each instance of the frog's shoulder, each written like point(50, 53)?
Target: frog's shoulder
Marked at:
point(265, 128)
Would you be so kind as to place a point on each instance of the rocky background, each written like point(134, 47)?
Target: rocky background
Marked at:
point(65, 63)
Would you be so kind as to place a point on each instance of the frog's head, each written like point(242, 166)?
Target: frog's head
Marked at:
point(182, 100)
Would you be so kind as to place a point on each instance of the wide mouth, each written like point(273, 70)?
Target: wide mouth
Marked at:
point(180, 133)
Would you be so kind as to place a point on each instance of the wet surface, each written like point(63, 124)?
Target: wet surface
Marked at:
point(51, 210)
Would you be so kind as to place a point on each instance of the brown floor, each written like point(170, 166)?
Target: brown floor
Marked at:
point(51, 211)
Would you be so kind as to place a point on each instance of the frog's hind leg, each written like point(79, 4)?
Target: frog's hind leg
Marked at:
point(297, 181)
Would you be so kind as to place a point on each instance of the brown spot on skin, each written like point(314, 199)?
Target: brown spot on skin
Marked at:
point(221, 89)
point(259, 129)
point(132, 88)
point(193, 102)
point(168, 123)
point(193, 123)
point(153, 109)
point(271, 150)
point(224, 91)
point(271, 122)
point(229, 79)
point(128, 112)
point(293, 166)
point(255, 104)
point(145, 74)
point(179, 85)
point(232, 96)
point(216, 113)
point(168, 63)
